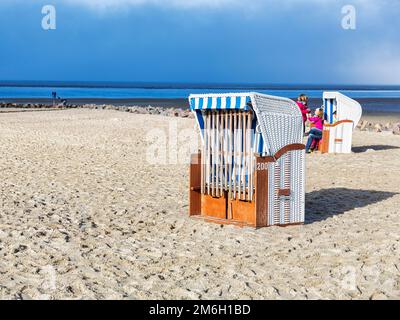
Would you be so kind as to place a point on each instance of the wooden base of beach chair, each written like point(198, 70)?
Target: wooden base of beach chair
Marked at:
point(241, 224)
point(261, 211)
point(324, 146)
point(337, 138)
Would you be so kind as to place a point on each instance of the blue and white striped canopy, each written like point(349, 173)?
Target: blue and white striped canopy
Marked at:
point(235, 101)
point(329, 109)
point(219, 102)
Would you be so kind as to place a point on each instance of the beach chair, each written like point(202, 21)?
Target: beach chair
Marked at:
point(342, 115)
point(251, 167)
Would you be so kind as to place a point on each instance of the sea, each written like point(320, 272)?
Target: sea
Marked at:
point(374, 98)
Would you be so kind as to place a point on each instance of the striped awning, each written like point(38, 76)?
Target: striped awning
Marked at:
point(221, 102)
point(228, 101)
point(329, 109)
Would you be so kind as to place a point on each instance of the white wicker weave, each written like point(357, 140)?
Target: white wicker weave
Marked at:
point(280, 121)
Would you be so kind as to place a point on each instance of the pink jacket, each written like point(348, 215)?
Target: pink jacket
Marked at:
point(319, 123)
point(304, 110)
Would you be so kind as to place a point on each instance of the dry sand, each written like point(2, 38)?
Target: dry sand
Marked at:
point(83, 214)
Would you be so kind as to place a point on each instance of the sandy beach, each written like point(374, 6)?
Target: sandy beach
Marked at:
point(84, 214)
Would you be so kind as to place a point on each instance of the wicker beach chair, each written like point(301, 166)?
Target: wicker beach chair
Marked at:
point(342, 115)
point(250, 170)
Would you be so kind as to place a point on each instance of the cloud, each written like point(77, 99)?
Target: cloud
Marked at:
point(184, 4)
point(375, 66)
point(382, 72)
point(371, 7)
point(371, 4)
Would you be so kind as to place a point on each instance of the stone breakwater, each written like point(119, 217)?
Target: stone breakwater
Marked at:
point(170, 112)
point(364, 125)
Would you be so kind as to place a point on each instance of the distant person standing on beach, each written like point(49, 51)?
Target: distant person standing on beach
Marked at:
point(302, 102)
point(54, 95)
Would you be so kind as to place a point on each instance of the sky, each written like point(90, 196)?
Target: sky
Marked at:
point(202, 41)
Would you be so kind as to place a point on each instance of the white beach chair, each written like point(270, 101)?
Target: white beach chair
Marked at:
point(342, 115)
point(250, 171)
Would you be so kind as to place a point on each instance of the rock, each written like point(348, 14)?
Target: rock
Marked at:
point(396, 129)
point(388, 126)
point(365, 126)
point(186, 114)
point(378, 127)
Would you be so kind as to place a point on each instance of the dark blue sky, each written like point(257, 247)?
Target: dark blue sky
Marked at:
point(201, 41)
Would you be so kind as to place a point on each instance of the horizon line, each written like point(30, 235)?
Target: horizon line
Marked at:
point(186, 85)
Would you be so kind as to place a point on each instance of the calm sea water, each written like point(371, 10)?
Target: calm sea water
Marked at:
point(102, 90)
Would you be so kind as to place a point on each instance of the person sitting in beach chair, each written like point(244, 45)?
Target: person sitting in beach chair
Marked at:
point(335, 119)
point(315, 134)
